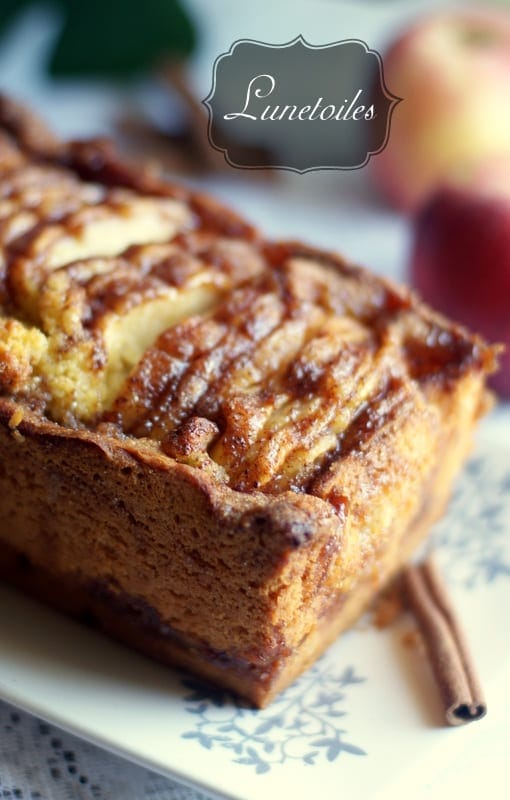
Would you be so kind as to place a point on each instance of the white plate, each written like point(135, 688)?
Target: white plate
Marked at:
point(364, 722)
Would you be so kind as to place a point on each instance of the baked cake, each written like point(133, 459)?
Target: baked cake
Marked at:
point(214, 447)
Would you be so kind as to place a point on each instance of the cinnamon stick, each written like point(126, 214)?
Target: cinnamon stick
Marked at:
point(446, 645)
point(174, 74)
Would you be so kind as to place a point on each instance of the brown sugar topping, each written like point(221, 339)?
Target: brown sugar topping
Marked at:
point(132, 302)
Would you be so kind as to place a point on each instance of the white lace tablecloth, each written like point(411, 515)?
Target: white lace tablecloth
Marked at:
point(41, 762)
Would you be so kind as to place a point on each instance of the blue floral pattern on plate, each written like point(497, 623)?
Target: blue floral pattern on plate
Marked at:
point(473, 537)
point(302, 724)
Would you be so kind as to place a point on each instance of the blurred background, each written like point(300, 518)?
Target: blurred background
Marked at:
point(139, 71)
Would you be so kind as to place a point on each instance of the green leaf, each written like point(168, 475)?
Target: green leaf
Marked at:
point(119, 38)
point(9, 9)
point(112, 38)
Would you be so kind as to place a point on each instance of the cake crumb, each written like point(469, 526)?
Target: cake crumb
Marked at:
point(388, 607)
point(16, 418)
point(413, 640)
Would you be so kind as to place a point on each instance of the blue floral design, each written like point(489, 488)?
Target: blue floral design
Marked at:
point(474, 536)
point(302, 724)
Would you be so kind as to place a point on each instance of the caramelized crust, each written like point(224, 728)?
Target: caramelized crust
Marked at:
point(230, 443)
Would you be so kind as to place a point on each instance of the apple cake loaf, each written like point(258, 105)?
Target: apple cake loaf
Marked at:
point(213, 447)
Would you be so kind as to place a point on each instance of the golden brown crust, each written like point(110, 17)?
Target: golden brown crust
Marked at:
point(238, 440)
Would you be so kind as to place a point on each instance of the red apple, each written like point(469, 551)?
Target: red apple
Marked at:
point(452, 70)
point(460, 260)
